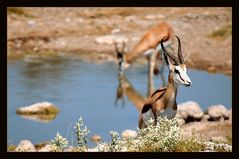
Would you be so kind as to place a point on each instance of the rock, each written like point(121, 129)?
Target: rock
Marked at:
point(31, 23)
point(154, 16)
point(129, 134)
point(189, 111)
point(42, 108)
point(93, 150)
point(25, 146)
point(205, 117)
point(114, 31)
point(216, 112)
point(71, 149)
point(110, 39)
point(96, 138)
point(46, 148)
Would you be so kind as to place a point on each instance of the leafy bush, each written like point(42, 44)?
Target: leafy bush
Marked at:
point(165, 136)
point(81, 135)
point(59, 143)
point(161, 137)
point(189, 145)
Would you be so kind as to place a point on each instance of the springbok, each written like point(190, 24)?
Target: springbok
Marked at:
point(148, 45)
point(163, 101)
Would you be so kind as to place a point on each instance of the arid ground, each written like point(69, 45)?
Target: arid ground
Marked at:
point(204, 32)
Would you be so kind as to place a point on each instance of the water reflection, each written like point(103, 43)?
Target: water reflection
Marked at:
point(40, 118)
point(125, 88)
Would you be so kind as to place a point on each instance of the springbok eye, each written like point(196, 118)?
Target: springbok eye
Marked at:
point(176, 71)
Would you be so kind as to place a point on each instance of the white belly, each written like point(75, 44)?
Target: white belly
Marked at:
point(169, 112)
point(147, 115)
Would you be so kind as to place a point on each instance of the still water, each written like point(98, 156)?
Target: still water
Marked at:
point(89, 90)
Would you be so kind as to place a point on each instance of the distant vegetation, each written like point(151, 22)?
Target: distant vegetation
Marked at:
point(222, 32)
point(18, 11)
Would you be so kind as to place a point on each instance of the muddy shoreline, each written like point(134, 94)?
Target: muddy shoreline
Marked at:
point(205, 32)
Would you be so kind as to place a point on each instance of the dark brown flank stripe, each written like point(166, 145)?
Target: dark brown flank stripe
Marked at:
point(160, 96)
point(159, 90)
point(146, 108)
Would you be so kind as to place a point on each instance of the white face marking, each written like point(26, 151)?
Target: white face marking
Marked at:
point(180, 76)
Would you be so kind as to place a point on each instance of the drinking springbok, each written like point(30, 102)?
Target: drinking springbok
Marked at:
point(148, 45)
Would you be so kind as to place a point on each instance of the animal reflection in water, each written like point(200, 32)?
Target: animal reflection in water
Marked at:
point(125, 88)
point(162, 102)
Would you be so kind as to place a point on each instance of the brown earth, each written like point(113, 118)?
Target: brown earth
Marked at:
point(216, 131)
point(204, 32)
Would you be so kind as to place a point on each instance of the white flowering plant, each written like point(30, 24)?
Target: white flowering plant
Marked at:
point(59, 143)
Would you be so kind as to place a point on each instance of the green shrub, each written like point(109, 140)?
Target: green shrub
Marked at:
point(222, 32)
point(81, 135)
point(59, 143)
point(19, 11)
point(162, 137)
point(189, 145)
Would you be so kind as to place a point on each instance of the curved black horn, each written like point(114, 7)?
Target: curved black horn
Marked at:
point(180, 56)
point(123, 47)
point(174, 58)
point(116, 47)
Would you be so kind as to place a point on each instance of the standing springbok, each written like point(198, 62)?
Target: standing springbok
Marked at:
point(163, 101)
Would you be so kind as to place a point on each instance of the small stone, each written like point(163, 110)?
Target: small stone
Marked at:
point(217, 111)
point(154, 16)
point(31, 23)
point(25, 146)
point(129, 134)
point(114, 31)
point(46, 148)
point(110, 39)
point(71, 149)
point(96, 138)
point(93, 150)
point(189, 111)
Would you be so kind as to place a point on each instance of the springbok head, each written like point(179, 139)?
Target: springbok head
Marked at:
point(178, 69)
point(121, 57)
